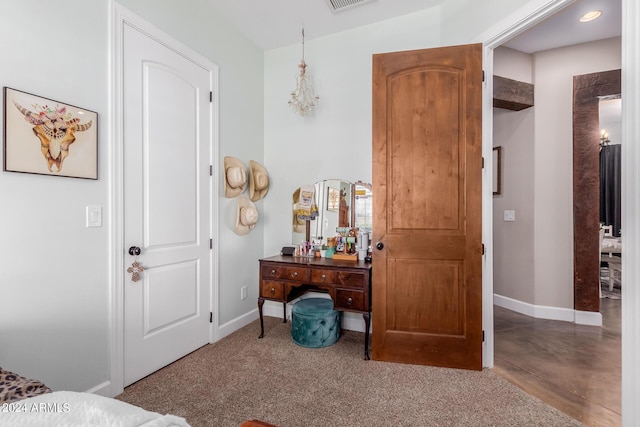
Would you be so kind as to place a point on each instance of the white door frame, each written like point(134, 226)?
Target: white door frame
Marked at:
point(119, 16)
point(532, 13)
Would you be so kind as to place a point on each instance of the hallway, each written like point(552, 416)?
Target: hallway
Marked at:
point(575, 368)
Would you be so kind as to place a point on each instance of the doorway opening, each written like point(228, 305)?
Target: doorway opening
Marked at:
point(610, 157)
point(551, 154)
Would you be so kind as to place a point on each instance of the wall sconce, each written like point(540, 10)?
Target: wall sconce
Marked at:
point(604, 138)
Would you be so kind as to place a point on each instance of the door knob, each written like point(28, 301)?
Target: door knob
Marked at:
point(379, 246)
point(136, 268)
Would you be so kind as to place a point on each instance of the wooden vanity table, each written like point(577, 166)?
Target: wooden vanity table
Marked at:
point(348, 283)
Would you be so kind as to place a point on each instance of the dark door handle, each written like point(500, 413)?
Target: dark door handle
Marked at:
point(134, 250)
point(379, 246)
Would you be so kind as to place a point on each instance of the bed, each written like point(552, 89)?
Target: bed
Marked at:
point(26, 402)
point(14, 387)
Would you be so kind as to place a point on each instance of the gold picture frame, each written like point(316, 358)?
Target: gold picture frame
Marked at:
point(333, 199)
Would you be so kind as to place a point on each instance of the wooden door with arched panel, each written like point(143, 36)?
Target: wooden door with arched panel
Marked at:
point(427, 178)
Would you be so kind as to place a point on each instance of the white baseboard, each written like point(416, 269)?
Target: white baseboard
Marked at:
point(106, 388)
point(103, 389)
point(237, 323)
point(592, 318)
point(546, 312)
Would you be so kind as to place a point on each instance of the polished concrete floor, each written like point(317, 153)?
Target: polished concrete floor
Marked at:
point(575, 368)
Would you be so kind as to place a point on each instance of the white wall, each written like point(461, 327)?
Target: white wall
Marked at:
point(513, 269)
point(335, 141)
point(553, 160)
point(54, 283)
point(513, 64)
point(533, 256)
point(611, 119)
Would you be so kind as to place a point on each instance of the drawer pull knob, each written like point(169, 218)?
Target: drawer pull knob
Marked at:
point(324, 277)
point(294, 274)
point(273, 291)
point(350, 301)
point(273, 272)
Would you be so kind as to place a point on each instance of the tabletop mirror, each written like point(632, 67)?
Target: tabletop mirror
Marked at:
point(336, 203)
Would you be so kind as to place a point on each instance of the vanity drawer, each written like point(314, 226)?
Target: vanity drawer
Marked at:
point(351, 279)
point(299, 274)
point(323, 276)
point(343, 278)
point(272, 289)
point(349, 300)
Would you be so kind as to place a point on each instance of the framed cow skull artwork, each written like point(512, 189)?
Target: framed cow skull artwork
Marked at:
point(47, 137)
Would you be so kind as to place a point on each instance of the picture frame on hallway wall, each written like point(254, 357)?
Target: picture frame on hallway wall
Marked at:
point(47, 137)
point(497, 170)
point(333, 199)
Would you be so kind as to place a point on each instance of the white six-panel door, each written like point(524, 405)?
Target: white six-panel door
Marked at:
point(167, 130)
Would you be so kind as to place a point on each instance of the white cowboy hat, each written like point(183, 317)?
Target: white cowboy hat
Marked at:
point(258, 181)
point(235, 177)
point(247, 216)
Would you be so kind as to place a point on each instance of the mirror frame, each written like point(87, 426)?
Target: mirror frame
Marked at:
point(354, 196)
point(322, 205)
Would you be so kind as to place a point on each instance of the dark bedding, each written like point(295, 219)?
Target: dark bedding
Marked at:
point(13, 387)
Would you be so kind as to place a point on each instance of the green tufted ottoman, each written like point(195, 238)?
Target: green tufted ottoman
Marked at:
point(314, 323)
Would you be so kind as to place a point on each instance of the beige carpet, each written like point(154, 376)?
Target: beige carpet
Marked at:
point(272, 379)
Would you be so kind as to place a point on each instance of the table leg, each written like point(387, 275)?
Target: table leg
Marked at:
point(367, 322)
point(260, 304)
point(284, 312)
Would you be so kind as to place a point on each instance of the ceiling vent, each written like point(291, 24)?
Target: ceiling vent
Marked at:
point(340, 5)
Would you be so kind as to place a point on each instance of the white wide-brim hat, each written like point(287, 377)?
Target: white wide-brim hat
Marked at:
point(246, 217)
point(258, 181)
point(235, 177)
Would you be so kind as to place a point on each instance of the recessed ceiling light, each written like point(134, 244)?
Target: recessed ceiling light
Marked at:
point(590, 16)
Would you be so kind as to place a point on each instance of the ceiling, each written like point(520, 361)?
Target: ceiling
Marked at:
point(565, 29)
point(276, 23)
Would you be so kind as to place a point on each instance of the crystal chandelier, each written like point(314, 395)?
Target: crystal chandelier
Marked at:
point(303, 98)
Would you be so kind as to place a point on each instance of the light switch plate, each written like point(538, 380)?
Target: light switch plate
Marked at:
point(94, 216)
point(509, 215)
